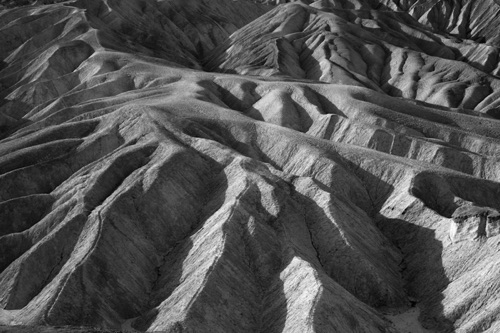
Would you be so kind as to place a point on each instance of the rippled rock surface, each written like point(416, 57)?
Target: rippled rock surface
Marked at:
point(241, 166)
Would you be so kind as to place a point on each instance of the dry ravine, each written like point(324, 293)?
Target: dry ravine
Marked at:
point(250, 166)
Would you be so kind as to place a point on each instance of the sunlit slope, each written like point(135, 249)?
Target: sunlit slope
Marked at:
point(299, 176)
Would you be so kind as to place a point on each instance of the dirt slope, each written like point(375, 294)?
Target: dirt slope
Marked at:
point(230, 166)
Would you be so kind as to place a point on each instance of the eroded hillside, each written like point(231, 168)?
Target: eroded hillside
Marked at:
point(233, 166)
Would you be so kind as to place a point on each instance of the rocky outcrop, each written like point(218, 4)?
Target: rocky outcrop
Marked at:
point(472, 222)
point(300, 175)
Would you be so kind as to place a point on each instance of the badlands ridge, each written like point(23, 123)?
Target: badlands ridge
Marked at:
point(240, 166)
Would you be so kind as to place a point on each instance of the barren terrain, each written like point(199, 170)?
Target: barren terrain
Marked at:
point(242, 166)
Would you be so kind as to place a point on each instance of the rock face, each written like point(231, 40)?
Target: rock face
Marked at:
point(472, 222)
point(235, 166)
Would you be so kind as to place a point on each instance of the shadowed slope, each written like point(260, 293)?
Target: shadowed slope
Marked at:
point(312, 195)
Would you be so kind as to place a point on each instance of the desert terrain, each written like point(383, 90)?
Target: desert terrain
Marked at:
point(250, 166)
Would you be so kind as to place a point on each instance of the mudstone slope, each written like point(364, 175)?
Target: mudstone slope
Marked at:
point(237, 166)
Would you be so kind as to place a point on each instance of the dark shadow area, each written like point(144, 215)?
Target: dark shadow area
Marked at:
point(378, 191)
point(16, 216)
point(224, 136)
point(268, 255)
point(454, 159)
point(264, 258)
point(169, 271)
point(244, 104)
point(434, 192)
point(481, 192)
point(421, 250)
point(9, 123)
point(334, 247)
point(421, 268)
point(168, 278)
point(494, 112)
point(19, 214)
point(328, 107)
